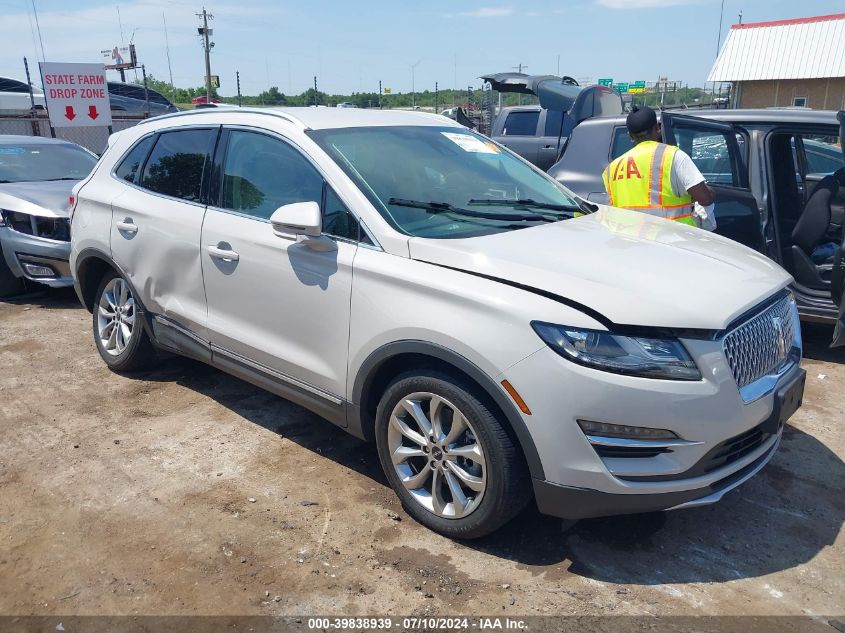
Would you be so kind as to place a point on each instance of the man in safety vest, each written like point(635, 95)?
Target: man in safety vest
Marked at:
point(656, 178)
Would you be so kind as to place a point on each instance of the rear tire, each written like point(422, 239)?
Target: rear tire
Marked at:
point(448, 456)
point(118, 327)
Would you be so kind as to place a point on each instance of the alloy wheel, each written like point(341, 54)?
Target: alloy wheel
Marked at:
point(115, 316)
point(436, 454)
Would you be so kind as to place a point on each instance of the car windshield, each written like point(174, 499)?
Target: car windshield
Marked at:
point(445, 182)
point(35, 162)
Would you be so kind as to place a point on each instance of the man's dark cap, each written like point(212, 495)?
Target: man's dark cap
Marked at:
point(641, 120)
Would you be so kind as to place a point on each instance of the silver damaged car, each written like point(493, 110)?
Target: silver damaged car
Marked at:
point(37, 176)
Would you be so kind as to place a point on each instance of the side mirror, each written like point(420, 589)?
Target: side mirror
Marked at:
point(297, 218)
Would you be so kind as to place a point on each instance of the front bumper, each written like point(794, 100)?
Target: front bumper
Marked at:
point(580, 503)
point(20, 249)
point(579, 482)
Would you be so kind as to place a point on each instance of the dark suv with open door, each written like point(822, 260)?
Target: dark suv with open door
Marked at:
point(779, 182)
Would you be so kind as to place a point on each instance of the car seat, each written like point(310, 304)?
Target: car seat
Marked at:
point(811, 254)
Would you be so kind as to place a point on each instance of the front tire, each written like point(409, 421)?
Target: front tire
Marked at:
point(118, 327)
point(9, 284)
point(448, 456)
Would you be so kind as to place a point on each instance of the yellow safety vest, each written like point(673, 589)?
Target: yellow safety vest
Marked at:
point(641, 180)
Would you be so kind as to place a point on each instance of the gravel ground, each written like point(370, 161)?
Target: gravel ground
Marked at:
point(186, 491)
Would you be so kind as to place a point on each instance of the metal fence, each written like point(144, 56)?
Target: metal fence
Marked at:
point(37, 124)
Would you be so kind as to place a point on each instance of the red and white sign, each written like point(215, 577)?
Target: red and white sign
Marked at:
point(77, 95)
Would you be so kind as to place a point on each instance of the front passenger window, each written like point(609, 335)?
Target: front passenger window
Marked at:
point(261, 174)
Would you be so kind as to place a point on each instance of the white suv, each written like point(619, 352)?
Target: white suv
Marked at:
point(418, 285)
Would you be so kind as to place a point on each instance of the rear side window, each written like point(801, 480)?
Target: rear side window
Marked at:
point(131, 164)
point(823, 154)
point(521, 123)
point(11, 85)
point(621, 142)
point(261, 174)
point(175, 165)
point(554, 120)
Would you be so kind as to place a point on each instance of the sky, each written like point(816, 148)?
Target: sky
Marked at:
point(350, 45)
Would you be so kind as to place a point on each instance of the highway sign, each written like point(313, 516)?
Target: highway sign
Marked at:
point(621, 88)
point(606, 82)
point(637, 87)
point(76, 94)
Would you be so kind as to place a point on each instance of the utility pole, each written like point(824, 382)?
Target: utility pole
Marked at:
point(379, 94)
point(315, 91)
point(435, 97)
point(205, 32)
point(146, 91)
point(238, 82)
point(519, 68)
point(413, 89)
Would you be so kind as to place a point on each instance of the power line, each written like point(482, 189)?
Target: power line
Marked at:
point(38, 27)
point(167, 48)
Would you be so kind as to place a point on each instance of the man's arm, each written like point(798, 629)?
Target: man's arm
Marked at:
point(701, 193)
point(686, 177)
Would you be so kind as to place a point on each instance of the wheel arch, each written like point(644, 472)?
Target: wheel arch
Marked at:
point(382, 365)
point(91, 266)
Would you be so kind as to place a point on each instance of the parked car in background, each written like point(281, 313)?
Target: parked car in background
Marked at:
point(134, 99)
point(203, 100)
point(36, 178)
point(537, 132)
point(346, 104)
point(14, 95)
point(779, 182)
point(421, 286)
point(123, 97)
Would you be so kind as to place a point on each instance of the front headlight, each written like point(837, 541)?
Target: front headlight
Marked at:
point(631, 355)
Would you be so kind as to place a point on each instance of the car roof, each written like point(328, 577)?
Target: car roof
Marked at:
point(321, 118)
point(751, 115)
point(21, 139)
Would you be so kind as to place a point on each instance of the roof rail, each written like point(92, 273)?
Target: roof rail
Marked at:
point(265, 111)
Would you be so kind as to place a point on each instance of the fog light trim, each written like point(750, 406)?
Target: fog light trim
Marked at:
point(35, 270)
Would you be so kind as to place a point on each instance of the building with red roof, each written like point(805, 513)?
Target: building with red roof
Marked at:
point(798, 63)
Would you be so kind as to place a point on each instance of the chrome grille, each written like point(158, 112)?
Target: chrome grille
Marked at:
point(762, 344)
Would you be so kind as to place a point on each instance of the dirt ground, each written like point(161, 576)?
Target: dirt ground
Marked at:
point(186, 491)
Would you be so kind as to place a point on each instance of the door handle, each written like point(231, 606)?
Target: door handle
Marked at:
point(224, 254)
point(127, 226)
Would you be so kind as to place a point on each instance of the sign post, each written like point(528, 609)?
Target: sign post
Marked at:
point(76, 95)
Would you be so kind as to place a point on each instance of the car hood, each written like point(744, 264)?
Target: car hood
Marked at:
point(47, 198)
point(632, 268)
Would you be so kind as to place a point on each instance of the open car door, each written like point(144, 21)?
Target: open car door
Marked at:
point(837, 279)
point(715, 149)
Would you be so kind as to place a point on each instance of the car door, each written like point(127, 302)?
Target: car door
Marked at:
point(714, 149)
point(276, 304)
point(519, 133)
point(838, 274)
point(552, 133)
point(156, 224)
